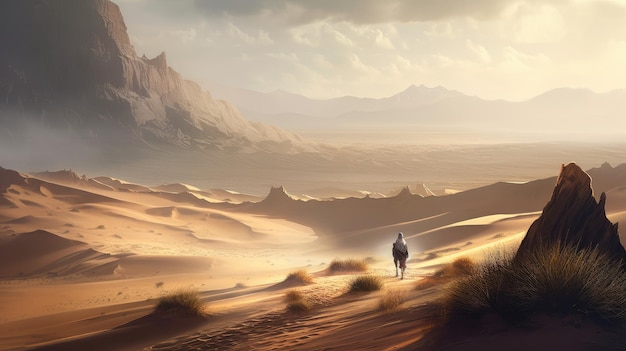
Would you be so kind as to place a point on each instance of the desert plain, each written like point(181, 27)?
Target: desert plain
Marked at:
point(86, 259)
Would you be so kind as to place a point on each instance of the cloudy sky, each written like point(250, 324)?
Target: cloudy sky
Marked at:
point(510, 49)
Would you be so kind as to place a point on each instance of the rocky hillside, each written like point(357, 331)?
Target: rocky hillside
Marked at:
point(70, 65)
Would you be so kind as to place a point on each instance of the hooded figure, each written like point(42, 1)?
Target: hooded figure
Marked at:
point(400, 253)
point(401, 244)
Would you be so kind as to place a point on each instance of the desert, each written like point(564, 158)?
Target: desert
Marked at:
point(85, 262)
point(301, 175)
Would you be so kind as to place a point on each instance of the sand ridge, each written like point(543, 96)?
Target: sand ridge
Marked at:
point(83, 261)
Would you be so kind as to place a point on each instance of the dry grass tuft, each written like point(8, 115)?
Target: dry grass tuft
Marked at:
point(549, 280)
point(391, 300)
point(300, 277)
point(297, 302)
point(463, 266)
point(349, 265)
point(366, 283)
point(459, 268)
point(184, 301)
point(427, 282)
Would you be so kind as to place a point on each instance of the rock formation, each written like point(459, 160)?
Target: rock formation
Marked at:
point(70, 65)
point(573, 217)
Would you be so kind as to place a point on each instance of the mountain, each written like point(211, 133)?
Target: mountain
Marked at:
point(563, 113)
point(70, 66)
point(294, 111)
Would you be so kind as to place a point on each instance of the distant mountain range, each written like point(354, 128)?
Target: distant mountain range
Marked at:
point(556, 112)
point(69, 66)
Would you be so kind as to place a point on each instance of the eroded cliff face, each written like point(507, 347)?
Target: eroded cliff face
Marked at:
point(70, 64)
point(573, 217)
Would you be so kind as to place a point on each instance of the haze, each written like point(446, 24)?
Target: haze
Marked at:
point(493, 49)
point(245, 211)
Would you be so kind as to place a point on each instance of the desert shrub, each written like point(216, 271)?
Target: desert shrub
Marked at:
point(366, 283)
point(349, 265)
point(553, 279)
point(297, 302)
point(463, 266)
point(300, 277)
point(293, 295)
point(182, 301)
point(427, 282)
point(391, 300)
point(460, 267)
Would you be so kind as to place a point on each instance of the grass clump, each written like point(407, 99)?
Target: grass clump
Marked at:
point(459, 268)
point(181, 302)
point(300, 277)
point(557, 279)
point(463, 266)
point(348, 265)
point(366, 283)
point(391, 300)
point(297, 302)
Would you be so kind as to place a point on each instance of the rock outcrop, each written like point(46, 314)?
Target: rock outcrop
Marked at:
point(573, 217)
point(70, 65)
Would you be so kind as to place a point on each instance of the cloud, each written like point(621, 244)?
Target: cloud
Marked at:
point(511, 49)
point(298, 12)
point(540, 24)
point(321, 33)
point(261, 38)
point(479, 51)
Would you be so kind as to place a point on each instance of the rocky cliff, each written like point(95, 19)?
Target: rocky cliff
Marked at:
point(70, 64)
point(573, 217)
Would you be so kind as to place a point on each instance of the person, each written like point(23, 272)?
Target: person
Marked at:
point(400, 252)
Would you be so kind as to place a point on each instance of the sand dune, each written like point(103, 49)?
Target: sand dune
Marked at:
point(43, 253)
point(83, 260)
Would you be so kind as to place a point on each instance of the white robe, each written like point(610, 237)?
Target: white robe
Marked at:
point(401, 245)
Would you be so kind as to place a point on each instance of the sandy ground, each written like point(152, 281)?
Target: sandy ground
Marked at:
point(82, 261)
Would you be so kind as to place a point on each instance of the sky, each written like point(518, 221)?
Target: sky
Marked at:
point(494, 49)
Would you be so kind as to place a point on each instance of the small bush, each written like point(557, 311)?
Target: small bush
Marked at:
point(297, 302)
point(298, 307)
point(366, 283)
point(182, 301)
point(548, 280)
point(349, 265)
point(391, 300)
point(293, 295)
point(300, 277)
point(427, 282)
point(460, 267)
point(463, 266)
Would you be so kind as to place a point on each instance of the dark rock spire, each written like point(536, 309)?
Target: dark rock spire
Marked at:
point(573, 217)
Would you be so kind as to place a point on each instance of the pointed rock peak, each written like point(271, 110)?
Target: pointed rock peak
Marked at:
point(422, 190)
point(572, 217)
point(606, 165)
point(159, 62)
point(415, 89)
point(278, 193)
point(405, 192)
point(573, 181)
